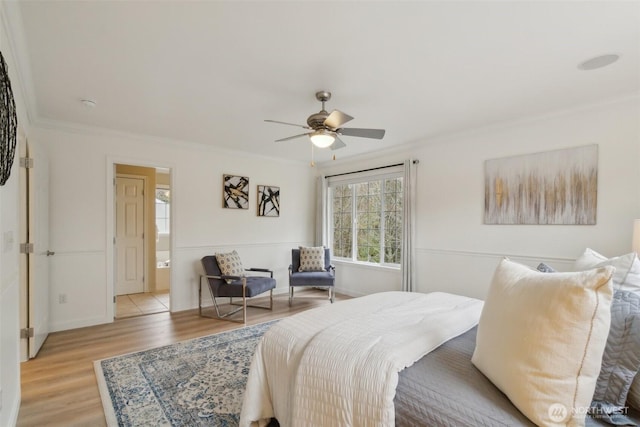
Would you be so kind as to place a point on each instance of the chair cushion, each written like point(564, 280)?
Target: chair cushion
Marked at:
point(312, 278)
point(230, 264)
point(210, 266)
point(255, 286)
point(311, 258)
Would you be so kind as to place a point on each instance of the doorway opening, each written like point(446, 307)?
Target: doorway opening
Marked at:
point(142, 248)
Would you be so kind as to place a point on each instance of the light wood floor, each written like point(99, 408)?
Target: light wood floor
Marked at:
point(59, 386)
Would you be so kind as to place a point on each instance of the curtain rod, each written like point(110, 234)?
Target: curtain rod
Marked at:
point(370, 169)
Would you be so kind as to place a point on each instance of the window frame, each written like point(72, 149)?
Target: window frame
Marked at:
point(392, 173)
point(168, 211)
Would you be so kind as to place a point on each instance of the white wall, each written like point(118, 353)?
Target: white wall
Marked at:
point(456, 252)
point(81, 216)
point(9, 301)
point(9, 258)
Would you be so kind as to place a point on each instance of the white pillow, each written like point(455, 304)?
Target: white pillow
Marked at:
point(627, 275)
point(541, 337)
point(311, 258)
point(230, 264)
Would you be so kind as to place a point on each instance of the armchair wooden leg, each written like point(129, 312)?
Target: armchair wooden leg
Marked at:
point(290, 295)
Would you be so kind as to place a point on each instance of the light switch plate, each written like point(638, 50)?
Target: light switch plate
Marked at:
point(7, 241)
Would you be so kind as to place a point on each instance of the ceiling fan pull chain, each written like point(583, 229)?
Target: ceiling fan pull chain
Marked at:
point(313, 164)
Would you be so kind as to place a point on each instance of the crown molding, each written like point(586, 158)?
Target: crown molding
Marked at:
point(448, 137)
point(78, 129)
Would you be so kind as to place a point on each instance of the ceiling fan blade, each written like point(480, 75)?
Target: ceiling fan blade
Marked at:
point(337, 144)
point(290, 124)
point(292, 137)
point(363, 133)
point(337, 119)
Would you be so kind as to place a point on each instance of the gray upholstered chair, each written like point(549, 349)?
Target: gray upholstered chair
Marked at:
point(234, 287)
point(318, 279)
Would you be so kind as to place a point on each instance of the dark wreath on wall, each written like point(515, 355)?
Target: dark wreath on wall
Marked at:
point(8, 124)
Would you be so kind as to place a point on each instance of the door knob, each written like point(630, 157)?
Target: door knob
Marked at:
point(49, 253)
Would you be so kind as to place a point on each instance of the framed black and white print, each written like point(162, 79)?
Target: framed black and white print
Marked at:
point(235, 192)
point(268, 200)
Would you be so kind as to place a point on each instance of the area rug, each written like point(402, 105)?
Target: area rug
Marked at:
point(199, 382)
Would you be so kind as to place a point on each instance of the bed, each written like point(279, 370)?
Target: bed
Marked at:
point(393, 358)
point(339, 364)
point(444, 389)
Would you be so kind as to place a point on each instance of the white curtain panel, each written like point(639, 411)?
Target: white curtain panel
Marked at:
point(408, 226)
point(321, 212)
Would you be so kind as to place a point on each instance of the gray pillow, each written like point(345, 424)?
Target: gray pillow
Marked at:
point(545, 268)
point(621, 358)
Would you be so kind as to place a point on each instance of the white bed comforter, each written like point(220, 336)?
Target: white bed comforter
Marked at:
point(338, 365)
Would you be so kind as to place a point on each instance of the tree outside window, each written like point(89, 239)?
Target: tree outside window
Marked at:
point(366, 220)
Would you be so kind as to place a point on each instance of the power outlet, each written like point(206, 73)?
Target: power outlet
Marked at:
point(62, 298)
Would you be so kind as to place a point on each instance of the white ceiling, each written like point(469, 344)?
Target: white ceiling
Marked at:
point(212, 71)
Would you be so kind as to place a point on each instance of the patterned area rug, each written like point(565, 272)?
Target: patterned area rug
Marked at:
point(199, 382)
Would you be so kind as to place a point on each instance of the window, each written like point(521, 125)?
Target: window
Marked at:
point(163, 201)
point(366, 219)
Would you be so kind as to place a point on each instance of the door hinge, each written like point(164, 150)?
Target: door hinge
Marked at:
point(27, 333)
point(26, 162)
point(114, 299)
point(26, 248)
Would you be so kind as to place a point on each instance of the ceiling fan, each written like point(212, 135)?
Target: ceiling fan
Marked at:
point(325, 128)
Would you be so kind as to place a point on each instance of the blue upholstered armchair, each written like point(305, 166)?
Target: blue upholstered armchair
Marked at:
point(324, 278)
point(241, 286)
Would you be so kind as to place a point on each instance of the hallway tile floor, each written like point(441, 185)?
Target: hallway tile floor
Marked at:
point(139, 304)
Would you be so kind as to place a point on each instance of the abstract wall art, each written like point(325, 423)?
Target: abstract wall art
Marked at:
point(268, 200)
point(553, 187)
point(235, 192)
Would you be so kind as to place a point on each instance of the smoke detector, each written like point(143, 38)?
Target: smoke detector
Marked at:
point(598, 62)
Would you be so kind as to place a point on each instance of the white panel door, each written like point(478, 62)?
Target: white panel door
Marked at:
point(38, 260)
point(129, 236)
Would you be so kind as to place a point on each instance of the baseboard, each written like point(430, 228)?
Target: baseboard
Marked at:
point(80, 323)
point(348, 292)
point(15, 410)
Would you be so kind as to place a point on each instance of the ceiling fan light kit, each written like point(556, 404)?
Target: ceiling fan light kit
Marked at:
point(322, 138)
point(325, 127)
